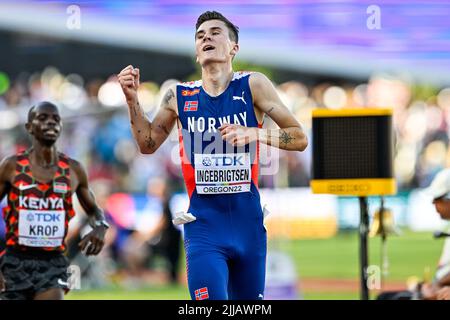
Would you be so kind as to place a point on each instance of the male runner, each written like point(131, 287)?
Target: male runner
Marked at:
point(39, 183)
point(219, 120)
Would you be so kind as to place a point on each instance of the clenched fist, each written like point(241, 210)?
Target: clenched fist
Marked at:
point(129, 81)
point(238, 135)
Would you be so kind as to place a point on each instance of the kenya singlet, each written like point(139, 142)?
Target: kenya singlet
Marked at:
point(38, 213)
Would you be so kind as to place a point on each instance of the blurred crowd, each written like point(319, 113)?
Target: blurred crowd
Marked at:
point(97, 133)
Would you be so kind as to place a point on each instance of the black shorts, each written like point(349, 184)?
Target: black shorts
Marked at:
point(29, 273)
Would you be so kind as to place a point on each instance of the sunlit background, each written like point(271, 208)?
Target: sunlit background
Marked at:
point(319, 54)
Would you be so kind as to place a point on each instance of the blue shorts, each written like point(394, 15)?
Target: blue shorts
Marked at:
point(226, 247)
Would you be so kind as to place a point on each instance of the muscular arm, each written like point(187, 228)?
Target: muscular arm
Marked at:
point(85, 195)
point(7, 167)
point(94, 240)
point(290, 136)
point(149, 135)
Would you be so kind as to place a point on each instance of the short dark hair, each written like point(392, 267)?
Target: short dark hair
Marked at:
point(214, 15)
point(32, 111)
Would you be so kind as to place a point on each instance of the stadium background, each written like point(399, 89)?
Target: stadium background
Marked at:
point(320, 54)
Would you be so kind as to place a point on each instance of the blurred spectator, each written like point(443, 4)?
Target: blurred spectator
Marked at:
point(439, 191)
point(154, 236)
point(95, 272)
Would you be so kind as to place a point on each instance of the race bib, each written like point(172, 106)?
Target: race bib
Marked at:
point(222, 173)
point(41, 228)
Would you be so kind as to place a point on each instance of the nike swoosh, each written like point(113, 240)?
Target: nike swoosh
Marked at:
point(62, 283)
point(22, 187)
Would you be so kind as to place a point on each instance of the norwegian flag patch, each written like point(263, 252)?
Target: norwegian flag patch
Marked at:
point(190, 106)
point(201, 294)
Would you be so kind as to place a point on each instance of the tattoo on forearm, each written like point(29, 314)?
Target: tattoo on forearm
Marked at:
point(285, 138)
point(134, 110)
point(137, 110)
point(164, 128)
point(150, 143)
point(270, 110)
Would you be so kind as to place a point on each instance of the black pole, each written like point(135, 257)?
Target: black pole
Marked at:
point(363, 256)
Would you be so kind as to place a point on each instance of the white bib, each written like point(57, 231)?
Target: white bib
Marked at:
point(41, 228)
point(222, 173)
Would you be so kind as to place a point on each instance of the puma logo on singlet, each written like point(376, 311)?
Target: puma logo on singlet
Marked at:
point(240, 98)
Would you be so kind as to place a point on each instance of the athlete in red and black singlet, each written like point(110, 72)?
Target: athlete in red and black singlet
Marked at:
point(38, 213)
point(39, 184)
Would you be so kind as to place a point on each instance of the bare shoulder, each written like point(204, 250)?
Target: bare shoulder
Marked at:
point(75, 164)
point(9, 160)
point(7, 167)
point(78, 170)
point(258, 80)
point(8, 163)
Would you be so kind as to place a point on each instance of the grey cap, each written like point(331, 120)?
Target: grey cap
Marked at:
point(440, 185)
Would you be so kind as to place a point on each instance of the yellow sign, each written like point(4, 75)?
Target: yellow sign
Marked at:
point(357, 187)
point(353, 151)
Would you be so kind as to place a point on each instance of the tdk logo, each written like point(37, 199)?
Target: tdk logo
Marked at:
point(227, 160)
point(47, 217)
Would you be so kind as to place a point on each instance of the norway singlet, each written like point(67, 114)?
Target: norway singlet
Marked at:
point(226, 244)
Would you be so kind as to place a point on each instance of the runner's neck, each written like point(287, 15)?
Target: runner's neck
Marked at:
point(44, 156)
point(216, 78)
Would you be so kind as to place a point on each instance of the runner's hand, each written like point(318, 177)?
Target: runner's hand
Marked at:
point(238, 135)
point(129, 81)
point(443, 293)
point(93, 241)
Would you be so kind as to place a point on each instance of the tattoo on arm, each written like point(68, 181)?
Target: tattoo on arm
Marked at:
point(148, 140)
point(270, 110)
point(164, 128)
point(169, 95)
point(166, 105)
point(285, 138)
point(137, 110)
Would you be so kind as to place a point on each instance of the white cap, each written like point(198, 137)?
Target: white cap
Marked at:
point(440, 185)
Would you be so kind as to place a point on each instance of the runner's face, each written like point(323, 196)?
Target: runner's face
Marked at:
point(46, 124)
point(213, 43)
